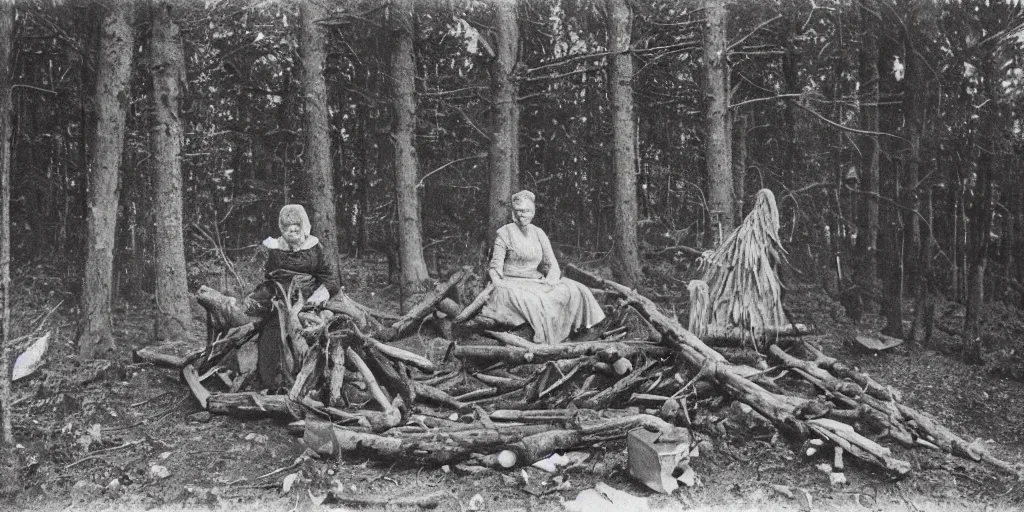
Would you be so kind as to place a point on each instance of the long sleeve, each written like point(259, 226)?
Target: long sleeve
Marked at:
point(325, 272)
point(548, 259)
point(498, 255)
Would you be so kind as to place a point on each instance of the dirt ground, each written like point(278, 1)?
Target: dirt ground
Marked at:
point(94, 435)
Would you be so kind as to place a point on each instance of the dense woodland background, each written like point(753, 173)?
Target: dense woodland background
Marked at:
point(889, 130)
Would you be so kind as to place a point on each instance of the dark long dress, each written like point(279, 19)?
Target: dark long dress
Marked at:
point(308, 267)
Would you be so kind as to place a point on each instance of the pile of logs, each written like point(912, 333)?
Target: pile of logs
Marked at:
point(501, 400)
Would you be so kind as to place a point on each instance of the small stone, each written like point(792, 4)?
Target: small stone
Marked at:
point(200, 417)
point(114, 486)
point(158, 471)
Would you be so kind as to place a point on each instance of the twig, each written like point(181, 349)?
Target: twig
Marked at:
point(96, 454)
point(148, 400)
point(298, 462)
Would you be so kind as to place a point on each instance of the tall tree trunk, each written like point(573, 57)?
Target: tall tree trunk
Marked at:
point(720, 192)
point(979, 215)
point(316, 160)
point(117, 41)
point(867, 239)
point(6, 44)
point(168, 68)
point(626, 257)
point(504, 148)
point(403, 73)
point(792, 159)
point(918, 261)
point(739, 166)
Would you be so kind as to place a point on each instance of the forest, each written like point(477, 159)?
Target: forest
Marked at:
point(149, 145)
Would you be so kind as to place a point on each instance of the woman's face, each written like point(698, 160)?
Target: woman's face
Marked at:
point(293, 234)
point(523, 213)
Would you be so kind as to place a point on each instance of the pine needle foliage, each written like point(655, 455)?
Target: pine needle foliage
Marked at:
point(744, 292)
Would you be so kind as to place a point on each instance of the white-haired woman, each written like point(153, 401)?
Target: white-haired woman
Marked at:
point(529, 287)
point(298, 262)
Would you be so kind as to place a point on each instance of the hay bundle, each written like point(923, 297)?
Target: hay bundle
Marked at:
point(744, 293)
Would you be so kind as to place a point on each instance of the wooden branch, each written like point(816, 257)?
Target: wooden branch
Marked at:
point(225, 311)
point(368, 378)
point(249, 404)
point(409, 358)
point(337, 373)
point(198, 391)
point(157, 357)
point(434, 395)
point(475, 306)
point(545, 353)
point(421, 310)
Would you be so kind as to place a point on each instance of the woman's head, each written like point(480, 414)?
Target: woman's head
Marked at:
point(294, 224)
point(523, 207)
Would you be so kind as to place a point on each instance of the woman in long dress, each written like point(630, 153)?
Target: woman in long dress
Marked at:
point(298, 262)
point(529, 287)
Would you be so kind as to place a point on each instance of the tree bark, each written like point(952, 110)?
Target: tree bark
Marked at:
point(867, 242)
point(316, 159)
point(720, 187)
point(739, 167)
point(117, 41)
point(626, 254)
point(505, 128)
point(6, 44)
point(168, 68)
point(980, 216)
point(403, 74)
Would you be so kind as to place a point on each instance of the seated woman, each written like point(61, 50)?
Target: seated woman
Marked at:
point(529, 287)
point(297, 261)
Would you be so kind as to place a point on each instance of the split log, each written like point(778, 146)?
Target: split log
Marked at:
point(606, 397)
point(195, 384)
point(538, 446)
point(717, 336)
point(427, 448)
point(337, 373)
point(225, 342)
point(223, 311)
point(421, 310)
point(162, 355)
point(371, 381)
point(249, 404)
point(501, 383)
point(429, 500)
point(545, 353)
point(434, 395)
point(475, 306)
point(410, 358)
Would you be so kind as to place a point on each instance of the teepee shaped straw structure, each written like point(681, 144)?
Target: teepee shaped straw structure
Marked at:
point(743, 293)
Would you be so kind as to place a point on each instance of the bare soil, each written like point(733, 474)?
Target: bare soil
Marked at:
point(83, 425)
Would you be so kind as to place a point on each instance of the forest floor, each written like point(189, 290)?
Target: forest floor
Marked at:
point(83, 425)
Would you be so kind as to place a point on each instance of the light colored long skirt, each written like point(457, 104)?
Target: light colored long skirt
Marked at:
point(553, 311)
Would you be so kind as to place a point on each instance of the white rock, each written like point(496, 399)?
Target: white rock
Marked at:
point(159, 471)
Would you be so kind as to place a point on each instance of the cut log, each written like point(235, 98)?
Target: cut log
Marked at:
point(501, 383)
point(421, 310)
point(738, 337)
point(475, 306)
point(434, 395)
point(545, 353)
point(168, 355)
point(194, 384)
point(224, 311)
point(249, 404)
point(409, 358)
point(337, 373)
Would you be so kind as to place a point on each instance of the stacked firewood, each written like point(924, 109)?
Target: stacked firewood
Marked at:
point(503, 400)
